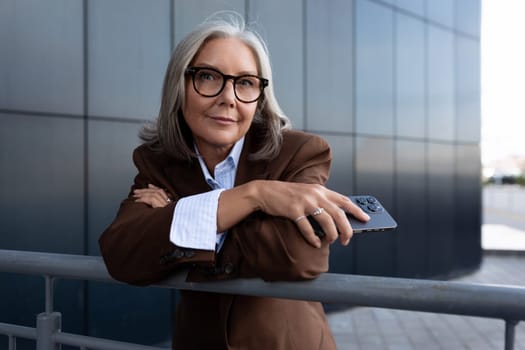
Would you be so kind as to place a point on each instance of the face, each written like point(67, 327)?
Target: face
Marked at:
point(218, 122)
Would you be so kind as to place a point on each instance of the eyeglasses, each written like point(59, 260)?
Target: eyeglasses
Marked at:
point(209, 82)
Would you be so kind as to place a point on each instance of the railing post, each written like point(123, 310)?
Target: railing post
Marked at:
point(47, 324)
point(510, 333)
point(50, 293)
point(12, 343)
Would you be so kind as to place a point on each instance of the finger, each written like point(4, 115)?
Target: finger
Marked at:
point(328, 225)
point(144, 191)
point(308, 232)
point(152, 202)
point(153, 189)
point(343, 226)
point(355, 210)
point(161, 192)
point(154, 199)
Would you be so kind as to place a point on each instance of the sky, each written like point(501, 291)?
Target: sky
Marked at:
point(502, 79)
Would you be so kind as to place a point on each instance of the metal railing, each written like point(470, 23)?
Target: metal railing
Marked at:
point(501, 302)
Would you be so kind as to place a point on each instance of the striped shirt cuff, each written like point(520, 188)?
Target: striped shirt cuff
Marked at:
point(194, 223)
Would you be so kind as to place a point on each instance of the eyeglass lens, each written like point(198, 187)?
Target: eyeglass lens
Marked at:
point(210, 83)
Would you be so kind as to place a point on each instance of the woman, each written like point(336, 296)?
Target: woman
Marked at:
point(224, 188)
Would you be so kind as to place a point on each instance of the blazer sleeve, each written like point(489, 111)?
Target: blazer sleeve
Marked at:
point(272, 247)
point(136, 247)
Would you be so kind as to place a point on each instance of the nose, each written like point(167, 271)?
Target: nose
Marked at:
point(227, 94)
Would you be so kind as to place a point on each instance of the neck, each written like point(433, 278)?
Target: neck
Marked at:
point(213, 155)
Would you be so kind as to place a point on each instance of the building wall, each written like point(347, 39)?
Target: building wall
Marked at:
point(394, 86)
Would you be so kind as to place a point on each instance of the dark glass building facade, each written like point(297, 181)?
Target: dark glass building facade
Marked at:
point(394, 86)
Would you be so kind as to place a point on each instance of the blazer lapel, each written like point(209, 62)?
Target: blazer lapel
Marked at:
point(250, 169)
point(186, 178)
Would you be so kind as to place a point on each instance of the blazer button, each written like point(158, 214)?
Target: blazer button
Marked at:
point(178, 253)
point(228, 268)
point(189, 253)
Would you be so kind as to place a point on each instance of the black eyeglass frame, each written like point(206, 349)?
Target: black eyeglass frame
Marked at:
point(225, 77)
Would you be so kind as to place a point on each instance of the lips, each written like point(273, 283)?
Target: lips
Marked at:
point(221, 119)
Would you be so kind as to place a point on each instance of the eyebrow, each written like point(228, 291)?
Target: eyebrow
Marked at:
point(241, 73)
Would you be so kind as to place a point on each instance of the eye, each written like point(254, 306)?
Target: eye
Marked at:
point(207, 75)
point(247, 81)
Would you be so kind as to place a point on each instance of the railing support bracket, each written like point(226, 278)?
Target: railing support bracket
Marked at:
point(47, 325)
point(510, 333)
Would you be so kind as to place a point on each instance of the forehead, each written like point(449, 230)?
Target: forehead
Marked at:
point(230, 55)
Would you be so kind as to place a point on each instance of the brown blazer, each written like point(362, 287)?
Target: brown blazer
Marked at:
point(137, 250)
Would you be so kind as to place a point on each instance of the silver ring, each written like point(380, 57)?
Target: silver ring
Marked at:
point(300, 218)
point(318, 211)
point(168, 200)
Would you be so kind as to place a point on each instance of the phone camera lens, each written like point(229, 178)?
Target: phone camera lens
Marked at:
point(374, 208)
point(361, 200)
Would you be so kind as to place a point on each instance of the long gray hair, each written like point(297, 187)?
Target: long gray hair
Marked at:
point(170, 133)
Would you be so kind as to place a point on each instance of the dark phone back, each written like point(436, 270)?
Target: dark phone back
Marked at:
point(380, 219)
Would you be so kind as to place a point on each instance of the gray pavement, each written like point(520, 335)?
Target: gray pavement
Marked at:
point(377, 329)
point(503, 241)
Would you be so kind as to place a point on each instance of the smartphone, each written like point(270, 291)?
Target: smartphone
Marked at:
point(380, 219)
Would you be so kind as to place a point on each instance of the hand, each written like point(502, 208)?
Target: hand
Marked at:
point(153, 196)
point(297, 200)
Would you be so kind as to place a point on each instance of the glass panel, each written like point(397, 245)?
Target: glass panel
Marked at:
point(41, 63)
point(128, 50)
point(415, 6)
point(411, 208)
point(374, 69)
point(281, 24)
point(467, 242)
point(441, 11)
point(468, 114)
point(141, 315)
point(440, 86)
point(329, 89)
point(374, 168)
point(189, 14)
point(441, 209)
point(410, 77)
point(42, 181)
point(468, 16)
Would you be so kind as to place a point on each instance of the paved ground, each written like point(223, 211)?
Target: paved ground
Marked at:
point(378, 329)
point(503, 238)
point(503, 218)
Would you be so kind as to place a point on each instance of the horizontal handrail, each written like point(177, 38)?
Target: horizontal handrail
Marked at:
point(73, 339)
point(98, 343)
point(494, 301)
point(18, 331)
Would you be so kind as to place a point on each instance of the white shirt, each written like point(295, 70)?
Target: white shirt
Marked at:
point(194, 223)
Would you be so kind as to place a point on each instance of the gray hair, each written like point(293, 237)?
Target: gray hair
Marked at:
point(170, 133)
